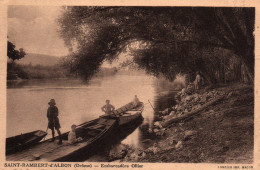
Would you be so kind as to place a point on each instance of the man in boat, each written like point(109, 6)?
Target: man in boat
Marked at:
point(108, 108)
point(136, 101)
point(72, 138)
point(52, 115)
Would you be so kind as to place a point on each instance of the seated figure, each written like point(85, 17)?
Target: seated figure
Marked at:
point(72, 138)
point(136, 101)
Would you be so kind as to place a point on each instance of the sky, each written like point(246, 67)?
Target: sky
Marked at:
point(34, 28)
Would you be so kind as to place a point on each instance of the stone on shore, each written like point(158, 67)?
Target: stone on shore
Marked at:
point(179, 145)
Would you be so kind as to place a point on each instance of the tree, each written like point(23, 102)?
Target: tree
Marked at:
point(14, 54)
point(162, 40)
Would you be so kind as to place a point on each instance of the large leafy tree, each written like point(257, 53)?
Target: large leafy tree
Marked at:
point(14, 54)
point(162, 40)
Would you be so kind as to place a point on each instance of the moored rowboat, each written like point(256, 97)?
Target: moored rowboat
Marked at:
point(23, 141)
point(92, 132)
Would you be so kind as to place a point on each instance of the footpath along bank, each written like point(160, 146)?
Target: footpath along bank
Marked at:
point(214, 124)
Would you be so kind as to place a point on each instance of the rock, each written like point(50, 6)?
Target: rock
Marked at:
point(138, 152)
point(205, 99)
point(188, 134)
point(187, 98)
point(158, 124)
point(179, 114)
point(166, 118)
point(133, 157)
point(211, 111)
point(181, 124)
point(117, 156)
point(183, 91)
point(180, 108)
point(227, 143)
point(230, 94)
point(210, 94)
point(196, 95)
point(173, 142)
point(198, 106)
point(156, 130)
point(150, 130)
point(214, 91)
point(161, 132)
point(158, 118)
point(153, 148)
point(143, 155)
point(179, 145)
point(164, 112)
point(172, 113)
point(118, 152)
point(36, 156)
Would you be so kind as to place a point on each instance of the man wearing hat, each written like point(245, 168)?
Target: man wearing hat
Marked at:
point(52, 115)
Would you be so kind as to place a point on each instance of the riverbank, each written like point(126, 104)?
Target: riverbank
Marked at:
point(220, 133)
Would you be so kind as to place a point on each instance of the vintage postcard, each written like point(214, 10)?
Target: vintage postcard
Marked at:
point(129, 85)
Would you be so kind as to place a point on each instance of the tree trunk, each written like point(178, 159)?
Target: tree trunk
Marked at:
point(176, 119)
point(249, 65)
point(249, 74)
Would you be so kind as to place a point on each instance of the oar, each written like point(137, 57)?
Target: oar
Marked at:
point(151, 105)
point(46, 132)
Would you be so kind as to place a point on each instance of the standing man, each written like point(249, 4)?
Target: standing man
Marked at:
point(197, 82)
point(52, 115)
point(108, 108)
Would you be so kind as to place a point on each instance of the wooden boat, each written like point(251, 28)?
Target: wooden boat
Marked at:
point(23, 141)
point(127, 113)
point(92, 132)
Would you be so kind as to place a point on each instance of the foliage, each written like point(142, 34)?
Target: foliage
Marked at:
point(14, 54)
point(43, 72)
point(162, 40)
point(14, 71)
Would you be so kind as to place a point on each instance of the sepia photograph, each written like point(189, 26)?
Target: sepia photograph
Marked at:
point(145, 84)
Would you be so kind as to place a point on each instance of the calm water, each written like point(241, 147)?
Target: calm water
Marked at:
point(78, 102)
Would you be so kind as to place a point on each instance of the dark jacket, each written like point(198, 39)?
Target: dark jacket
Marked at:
point(52, 112)
point(52, 115)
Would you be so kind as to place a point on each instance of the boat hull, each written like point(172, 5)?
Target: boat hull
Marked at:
point(93, 133)
point(124, 120)
point(23, 141)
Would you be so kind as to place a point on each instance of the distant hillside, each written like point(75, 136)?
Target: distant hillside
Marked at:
point(36, 59)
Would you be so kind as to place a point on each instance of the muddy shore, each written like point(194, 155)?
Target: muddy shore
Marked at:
point(221, 133)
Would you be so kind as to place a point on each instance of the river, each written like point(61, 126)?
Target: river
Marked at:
point(78, 102)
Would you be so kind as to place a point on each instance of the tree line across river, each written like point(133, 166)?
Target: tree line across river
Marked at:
point(16, 71)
